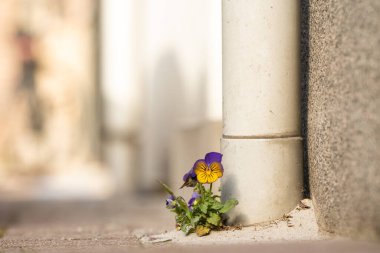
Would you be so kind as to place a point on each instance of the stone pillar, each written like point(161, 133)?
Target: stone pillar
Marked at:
point(261, 141)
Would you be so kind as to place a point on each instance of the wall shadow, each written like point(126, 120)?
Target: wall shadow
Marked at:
point(305, 48)
point(230, 191)
point(164, 104)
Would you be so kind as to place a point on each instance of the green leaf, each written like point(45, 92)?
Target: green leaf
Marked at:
point(195, 219)
point(182, 203)
point(166, 188)
point(217, 205)
point(202, 230)
point(203, 207)
point(214, 219)
point(183, 207)
point(186, 228)
point(228, 205)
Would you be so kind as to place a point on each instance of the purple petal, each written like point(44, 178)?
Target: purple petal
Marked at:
point(196, 195)
point(189, 175)
point(213, 157)
point(186, 176)
point(192, 174)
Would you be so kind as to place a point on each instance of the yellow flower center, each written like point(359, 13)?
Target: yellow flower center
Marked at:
point(208, 171)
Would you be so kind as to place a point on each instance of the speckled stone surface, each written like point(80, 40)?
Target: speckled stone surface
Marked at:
point(343, 114)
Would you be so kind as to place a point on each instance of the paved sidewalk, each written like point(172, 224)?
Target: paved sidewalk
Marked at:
point(82, 224)
point(143, 224)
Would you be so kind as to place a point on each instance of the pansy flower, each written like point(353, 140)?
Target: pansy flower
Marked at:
point(193, 198)
point(169, 202)
point(208, 170)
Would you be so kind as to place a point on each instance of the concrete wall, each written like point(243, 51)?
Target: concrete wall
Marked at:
point(343, 118)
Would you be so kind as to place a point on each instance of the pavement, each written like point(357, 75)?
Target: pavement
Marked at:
point(143, 224)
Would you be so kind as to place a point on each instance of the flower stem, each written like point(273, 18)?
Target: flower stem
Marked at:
point(201, 190)
point(211, 187)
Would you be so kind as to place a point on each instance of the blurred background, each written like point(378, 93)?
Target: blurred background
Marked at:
point(100, 98)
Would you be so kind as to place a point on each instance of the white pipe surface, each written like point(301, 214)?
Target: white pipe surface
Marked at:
point(261, 141)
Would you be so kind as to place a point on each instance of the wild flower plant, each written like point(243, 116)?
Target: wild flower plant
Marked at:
point(204, 211)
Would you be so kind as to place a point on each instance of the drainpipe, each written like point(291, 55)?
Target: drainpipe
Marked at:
point(261, 141)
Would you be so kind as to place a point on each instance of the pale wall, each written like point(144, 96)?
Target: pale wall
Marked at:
point(181, 58)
